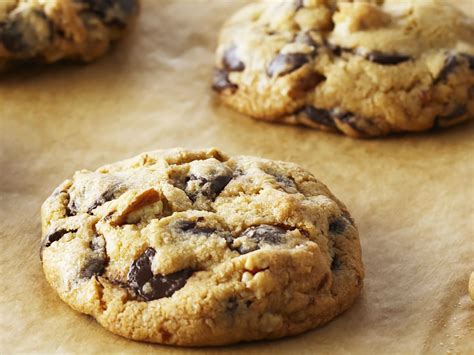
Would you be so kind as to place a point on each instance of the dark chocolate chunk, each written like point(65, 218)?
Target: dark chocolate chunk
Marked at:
point(285, 181)
point(230, 60)
point(114, 12)
point(71, 208)
point(106, 196)
point(210, 186)
point(232, 304)
point(284, 64)
point(93, 267)
point(27, 33)
point(265, 233)
point(450, 64)
point(470, 59)
point(221, 82)
point(320, 116)
point(338, 225)
point(459, 111)
point(387, 59)
point(97, 260)
point(192, 227)
point(56, 235)
point(152, 287)
point(336, 263)
point(254, 237)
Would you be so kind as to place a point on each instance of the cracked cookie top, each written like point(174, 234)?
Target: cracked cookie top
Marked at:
point(61, 29)
point(194, 247)
point(362, 68)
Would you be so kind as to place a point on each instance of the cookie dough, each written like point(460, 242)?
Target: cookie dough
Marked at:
point(361, 68)
point(61, 29)
point(195, 248)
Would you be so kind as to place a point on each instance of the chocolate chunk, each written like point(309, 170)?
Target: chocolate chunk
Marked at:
point(114, 12)
point(338, 225)
point(97, 260)
point(93, 267)
point(321, 116)
point(56, 235)
point(450, 64)
point(232, 304)
point(387, 59)
point(265, 233)
point(71, 208)
point(210, 187)
point(106, 196)
point(335, 49)
point(470, 59)
point(152, 287)
point(255, 237)
point(459, 111)
point(222, 83)
point(285, 181)
point(192, 227)
point(336, 263)
point(284, 64)
point(27, 33)
point(230, 60)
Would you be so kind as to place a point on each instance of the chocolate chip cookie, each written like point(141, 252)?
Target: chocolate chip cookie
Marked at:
point(195, 248)
point(56, 29)
point(361, 68)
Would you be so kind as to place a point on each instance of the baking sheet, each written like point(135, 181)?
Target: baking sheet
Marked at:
point(411, 196)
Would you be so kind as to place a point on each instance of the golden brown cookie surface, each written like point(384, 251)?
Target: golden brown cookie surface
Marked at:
point(62, 29)
point(362, 68)
point(195, 248)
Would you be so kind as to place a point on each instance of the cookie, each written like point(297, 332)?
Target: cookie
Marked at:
point(362, 68)
point(195, 248)
point(51, 30)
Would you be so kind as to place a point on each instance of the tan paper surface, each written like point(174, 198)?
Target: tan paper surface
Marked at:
point(411, 196)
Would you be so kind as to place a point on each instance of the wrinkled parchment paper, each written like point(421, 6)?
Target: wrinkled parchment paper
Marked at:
point(412, 196)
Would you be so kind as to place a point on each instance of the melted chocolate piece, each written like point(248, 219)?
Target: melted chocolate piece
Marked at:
point(153, 287)
point(96, 263)
point(320, 116)
point(459, 111)
point(26, 33)
point(56, 235)
point(257, 236)
point(265, 233)
point(338, 225)
point(336, 263)
point(192, 227)
point(284, 64)
point(221, 82)
point(285, 181)
point(210, 186)
point(106, 196)
point(230, 60)
point(450, 64)
point(114, 12)
point(470, 59)
point(93, 267)
point(387, 59)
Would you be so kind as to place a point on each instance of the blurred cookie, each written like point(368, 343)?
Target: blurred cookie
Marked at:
point(57, 29)
point(195, 248)
point(362, 68)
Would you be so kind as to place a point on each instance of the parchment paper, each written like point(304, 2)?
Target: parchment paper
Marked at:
point(411, 195)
